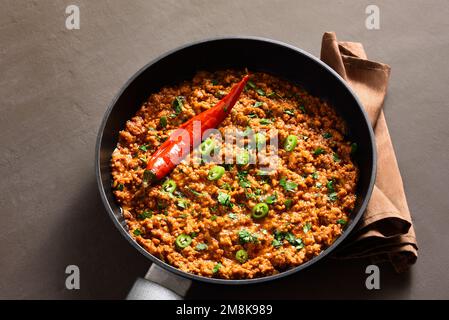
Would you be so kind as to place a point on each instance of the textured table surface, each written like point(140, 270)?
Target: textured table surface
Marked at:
point(56, 85)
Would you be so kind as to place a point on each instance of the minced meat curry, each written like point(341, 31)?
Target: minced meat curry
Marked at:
point(235, 220)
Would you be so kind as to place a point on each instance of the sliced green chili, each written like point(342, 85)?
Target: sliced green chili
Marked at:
point(169, 186)
point(207, 146)
point(290, 143)
point(260, 210)
point(241, 256)
point(215, 173)
point(183, 241)
point(260, 140)
point(243, 158)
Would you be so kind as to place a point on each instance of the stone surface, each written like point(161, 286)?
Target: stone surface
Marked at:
point(56, 85)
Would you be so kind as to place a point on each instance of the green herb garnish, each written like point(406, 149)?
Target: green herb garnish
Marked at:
point(333, 196)
point(271, 199)
point(260, 92)
point(217, 267)
point(336, 157)
point(299, 244)
point(233, 216)
point(145, 214)
point(265, 121)
point(143, 148)
point(226, 186)
point(290, 237)
point(354, 148)
point(318, 151)
point(163, 121)
point(276, 243)
point(330, 186)
point(289, 112)
point(251, 84)
point(307, 227)
point(243, 181)
point(273, 94)
point(327, 135)
point(194, 192)
point(224, 199)
point(288, 185)
point(258, 104)
point(246, 237)
point(183, 204)
point(201, 246)
point(288, 203)
point(148, 177)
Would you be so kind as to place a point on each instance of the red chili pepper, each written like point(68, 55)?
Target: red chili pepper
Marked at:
point(161, 162)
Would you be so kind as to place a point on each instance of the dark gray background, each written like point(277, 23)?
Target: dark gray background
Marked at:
point(56, 85)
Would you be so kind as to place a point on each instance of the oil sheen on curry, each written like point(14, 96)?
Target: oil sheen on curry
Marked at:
point(237, 220)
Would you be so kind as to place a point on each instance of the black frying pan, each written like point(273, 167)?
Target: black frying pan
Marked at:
point(256, 54)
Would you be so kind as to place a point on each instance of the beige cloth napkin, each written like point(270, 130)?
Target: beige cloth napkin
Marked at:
point(386, 230)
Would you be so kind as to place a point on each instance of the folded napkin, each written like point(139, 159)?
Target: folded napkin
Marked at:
point(386, 230)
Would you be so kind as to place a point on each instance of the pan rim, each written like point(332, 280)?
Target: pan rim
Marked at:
point(282, 274)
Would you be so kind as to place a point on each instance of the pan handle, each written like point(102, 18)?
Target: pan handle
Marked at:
point(159, 284)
